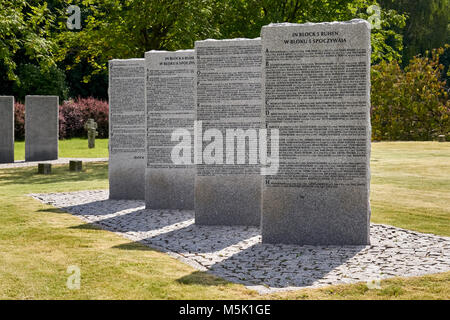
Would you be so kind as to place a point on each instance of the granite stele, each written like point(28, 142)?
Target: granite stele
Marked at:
point(316, 91)
point(6, 129)
point(126, 128)
point(41, 128)
point(228, 115)
point(169, 174)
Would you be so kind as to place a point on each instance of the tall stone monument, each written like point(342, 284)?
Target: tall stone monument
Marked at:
point(316, 91)
point(126, 128)
point(41, 128)
point(169, 184)
point(228, 103)
point(6, 129)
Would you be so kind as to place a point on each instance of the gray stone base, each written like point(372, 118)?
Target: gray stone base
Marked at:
point(228, 200)
point(126, 177)
point(312, 216)
point(6, 156)
point(169, 188)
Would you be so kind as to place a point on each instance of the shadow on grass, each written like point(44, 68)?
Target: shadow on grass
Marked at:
point(52, 210)
point(86, 226)
point(134, 246)
point(60, 174)
point(202, 278)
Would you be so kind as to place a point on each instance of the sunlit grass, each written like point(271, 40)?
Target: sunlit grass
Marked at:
point(410, 183)
point(70, 148)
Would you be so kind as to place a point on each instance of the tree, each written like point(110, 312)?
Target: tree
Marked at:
point(126, 29)
point(427, 25)
point(244, 18)
point(410, 104)
point(25, 30)
point(39, 81)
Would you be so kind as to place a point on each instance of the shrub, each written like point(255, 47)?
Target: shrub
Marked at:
point(70, 120)
point(35, 80)
point(410, 104)
point(19, 121)
point(74, 113)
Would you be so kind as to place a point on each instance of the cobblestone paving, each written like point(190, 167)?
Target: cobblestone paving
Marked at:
point(237, 254)
point(22, 163)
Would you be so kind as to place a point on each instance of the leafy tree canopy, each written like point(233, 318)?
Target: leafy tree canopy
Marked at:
point(427, 24)
point(125, 29)
point(25, 29)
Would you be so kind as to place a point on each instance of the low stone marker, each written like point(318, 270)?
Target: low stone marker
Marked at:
point(75, 165)
point(126, 129)
point(169, 107)
point(228, 180)
point(41, 128)
point(6, 129)
point(91, 127)
point(44, 168)
point(316, 91)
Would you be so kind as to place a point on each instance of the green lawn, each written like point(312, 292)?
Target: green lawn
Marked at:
point(71, 148)
point(410, 183)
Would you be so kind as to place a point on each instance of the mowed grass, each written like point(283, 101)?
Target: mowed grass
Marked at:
point(38, 242)
point(70, 148)
point(411, 185)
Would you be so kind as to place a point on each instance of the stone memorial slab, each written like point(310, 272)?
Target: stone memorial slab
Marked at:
point(6, 129)
point(126, 128)
point(41, 128)
point(228, 104)
point(169, 184)
point(44, 168)
point(316, 91)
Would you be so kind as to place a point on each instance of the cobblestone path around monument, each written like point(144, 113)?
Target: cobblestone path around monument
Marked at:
point(236, 253)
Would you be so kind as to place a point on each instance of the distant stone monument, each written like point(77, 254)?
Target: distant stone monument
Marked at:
point(6, 129)
point(91, 127)
point(126, 129)
point(41, 128)
point(228, 80)
point(169, 106)
point(316, 91)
